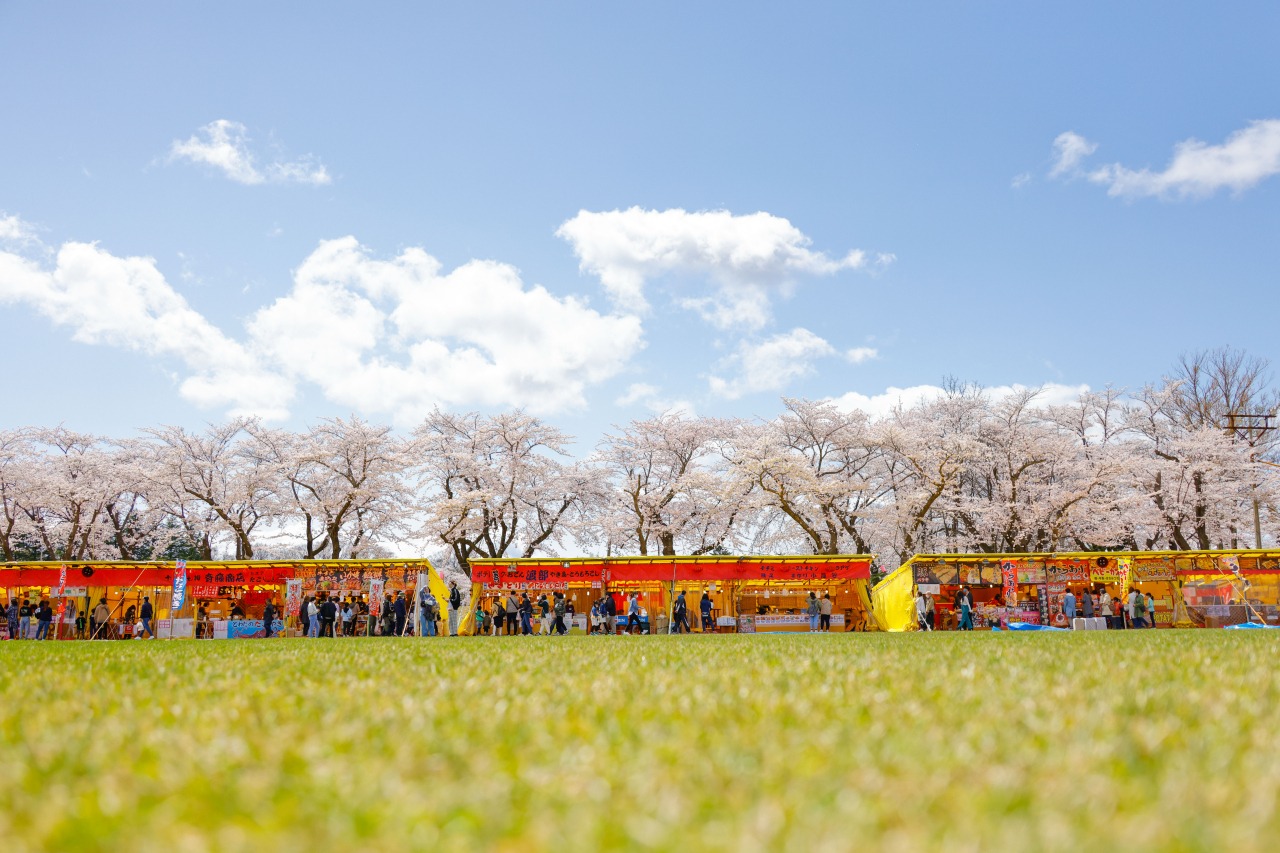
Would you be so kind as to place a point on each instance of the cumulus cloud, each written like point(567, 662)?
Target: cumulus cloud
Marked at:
point(858, 355)
point(1198, 169)
point(879, 405)
point(17, 233)
point(771, 364)
point(404, 335)
point(746, 260)
point(224, 145)
point(396, 337)
point(1069, 150)
point(650, 396)
point(126, 303)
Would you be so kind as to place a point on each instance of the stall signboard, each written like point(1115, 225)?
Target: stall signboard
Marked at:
point(1160, 569)
point(747, 624)
point(1067, 571)
point(777, 622)
point(183, 629)
point(203, 590)
point(540, 575)
point(74, 591)
point(292, 597)
point(980, 573)
point(247, 629)
point(1030, 571)
point(1112, 572)
point(238, 576)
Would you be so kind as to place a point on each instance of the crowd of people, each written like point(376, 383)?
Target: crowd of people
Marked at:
point(323, 615)
point(1135, 610)
point(98, 624)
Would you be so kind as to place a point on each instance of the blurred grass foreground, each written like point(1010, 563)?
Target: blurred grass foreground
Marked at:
point(1160, 740)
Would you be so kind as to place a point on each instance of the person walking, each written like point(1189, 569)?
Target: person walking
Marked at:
point(268, 617)
point(964, 608)
point(680, 615)
point(544, 615)
point(633, 613)
point(824, 613)
point(12, 616)
point(1151, 610)
point(526, 614)
point(455, 607)
point(145, 614)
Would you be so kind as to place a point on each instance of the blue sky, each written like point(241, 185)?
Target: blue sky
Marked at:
point(921, 135)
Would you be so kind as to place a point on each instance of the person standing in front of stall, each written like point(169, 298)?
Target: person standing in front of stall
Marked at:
point(526, 614)
point(24, 619)
point(708, 624)
point(633, 613)
point(513, 610)
point(44, 618)
point(455, 607)
point(328, 617)
point(12, 615)
point(561, 607)
point(101, 616)
point(680, 615)
point(921, 609)
point(268, 618)
point(1104, 605)
point(1086, 602)
point(1151, 610)
point(824, 613)
point(814, 611)
point(402, 613)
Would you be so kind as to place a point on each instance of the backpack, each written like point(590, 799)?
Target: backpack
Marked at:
point(560, 605)
point(1139, 606)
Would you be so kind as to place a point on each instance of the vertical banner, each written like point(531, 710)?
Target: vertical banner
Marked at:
point(179, 597)
point(1009, 569)
point(292, 597)
point(62, 602)
point(375, 600)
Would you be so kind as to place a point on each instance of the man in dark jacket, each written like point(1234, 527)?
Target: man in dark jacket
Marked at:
point(268, 617)
point(526, 614)
point(328, 616)
point(145, 613)
point(610, 614)
point(680, 615)
point(402, 613)
point(455, 607)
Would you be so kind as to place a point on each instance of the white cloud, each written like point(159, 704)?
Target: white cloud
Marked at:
point(224, 145)
point(1069, 149)
point(858, 355)
point(17, 233)
point(126, 303)
point(748, 259)
point(402, 336)
point(771, 364)
point(395, 337)
point(1020, 180)
point(879, 405)
point(1197, 169)
point(650, 396)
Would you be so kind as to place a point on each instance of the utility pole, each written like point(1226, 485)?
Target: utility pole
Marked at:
point(1251, 429)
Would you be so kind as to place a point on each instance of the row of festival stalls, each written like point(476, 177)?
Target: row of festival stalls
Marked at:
point(202, 599)
point(1189, 588)
point(748, 594)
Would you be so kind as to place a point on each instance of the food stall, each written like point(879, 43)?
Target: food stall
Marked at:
point(1189, 588)
point(747, 594)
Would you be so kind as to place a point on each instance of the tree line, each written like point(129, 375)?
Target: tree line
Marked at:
point(1173, 465)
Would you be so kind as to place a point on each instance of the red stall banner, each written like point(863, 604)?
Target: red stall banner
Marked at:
point(1009, 571)
point(537, 574)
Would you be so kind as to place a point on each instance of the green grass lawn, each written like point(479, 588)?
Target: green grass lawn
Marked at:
point(1164, 740)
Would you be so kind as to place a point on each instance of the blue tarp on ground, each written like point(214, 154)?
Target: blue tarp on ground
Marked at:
point(1027, 626)
point(1252, 625)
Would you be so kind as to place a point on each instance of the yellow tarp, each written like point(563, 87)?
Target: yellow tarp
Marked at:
point(893, 601)
point(467, 624)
